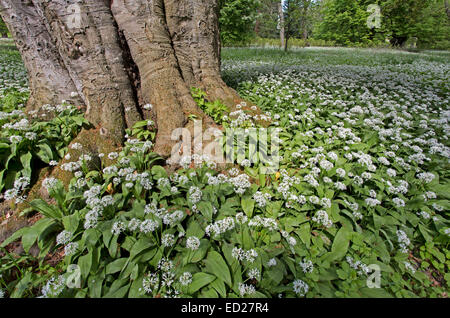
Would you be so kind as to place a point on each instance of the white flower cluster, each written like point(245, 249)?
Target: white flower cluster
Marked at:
point(262, 198)
point(403, 241)
point(193, 243)
point(96, 204)
point(221, 226)
point(322, 218)
point(307, 266)
point(362, 268)
point(53, 287)
point(246, 289)
point(300, 287)
point(242, 255)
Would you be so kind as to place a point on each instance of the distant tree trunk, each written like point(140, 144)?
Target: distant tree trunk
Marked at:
point(282, 26)
point(447, 8)
point(398, 40)
point(4, 34)
point(119, 56)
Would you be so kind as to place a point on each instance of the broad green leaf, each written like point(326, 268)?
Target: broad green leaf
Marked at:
point(200, 280)
point(215, 264)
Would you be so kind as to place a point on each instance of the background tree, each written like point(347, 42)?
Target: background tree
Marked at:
point(119, 56)
point(401, 17)
point(295, 19)
point(237, 20)
point(433, 27)
point(268, 19)
point(345, 21)
point(3, 29)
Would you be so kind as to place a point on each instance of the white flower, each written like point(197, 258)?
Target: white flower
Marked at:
point(372, 202)
point(193, 243)
point(391, 173)
point(168, 240)
point(307, 266)
point(325, 164)
point(15, 139)
point(165, 265)
point(195, 194)
point(134, 224)
point(118, 227)
point(245, 289)
point(76, 146)
point(49, 183)
point(403, 241)
point(64, 237)
point(150, 282)
point(272, 262)
point(398, 202)
point(148, 226)
point(254, 273)
point(113, 155)
point(186, 278)
point(341, 172)
point(261, 198)
point(70, 248)
point(409, 267)
point(322, 218)
point(53, 287)
point(426, 177)
point(300, 287)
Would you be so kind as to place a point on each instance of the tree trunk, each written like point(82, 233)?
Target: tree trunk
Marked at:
point(119, 56)
point(447, 8)
point(49, 79)
point(282, 29)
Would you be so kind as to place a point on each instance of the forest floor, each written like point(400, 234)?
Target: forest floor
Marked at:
point(360, 200)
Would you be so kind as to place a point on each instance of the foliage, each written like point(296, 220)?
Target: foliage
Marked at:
point(362, 182)
point(237, 20)
point(3, 28)
point(345, 21)
point(28, 144)
point(216, 110)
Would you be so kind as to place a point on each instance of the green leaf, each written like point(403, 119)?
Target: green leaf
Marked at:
point(116, 266)
point(29, 238)
point(340, 246)
point(71, 222)
point(200, 280)
point(248, 205)
point(159, 172)
point(85, 263)
point(26, 163)
point(215, 264)
point(219, 286)
point(142, 245)
point(17, 235)
point(45, 153)
point(46, 209)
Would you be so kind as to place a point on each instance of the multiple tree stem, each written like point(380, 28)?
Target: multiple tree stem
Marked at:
point(119, 55)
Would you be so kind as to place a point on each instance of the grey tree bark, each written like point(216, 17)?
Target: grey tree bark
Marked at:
point(282, 28)
point(48, 77)
point(120, 55)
